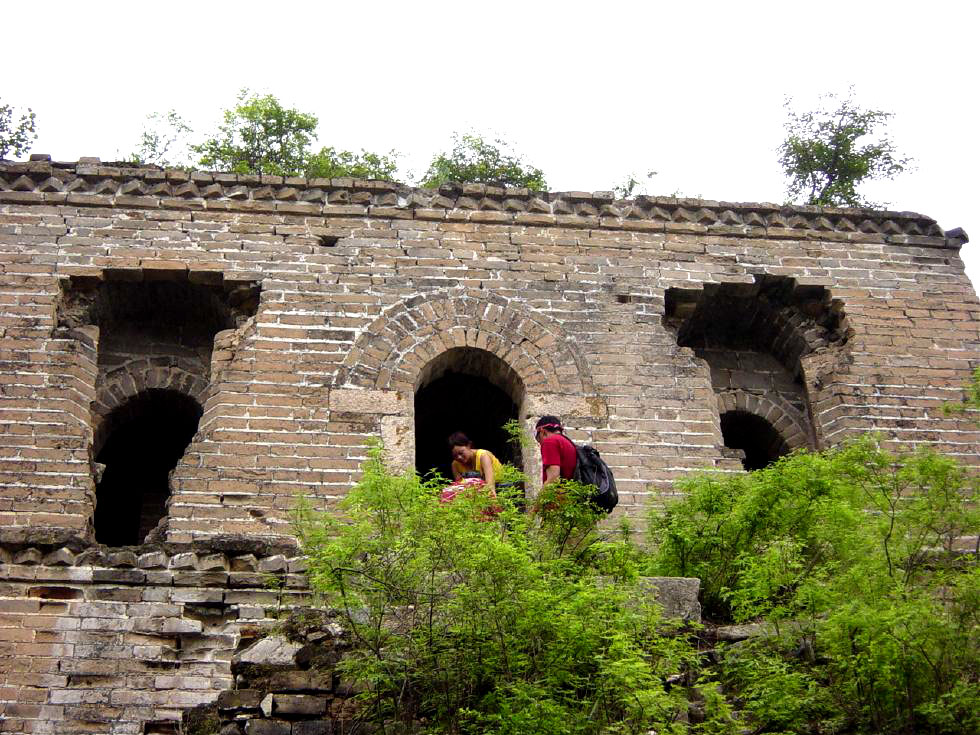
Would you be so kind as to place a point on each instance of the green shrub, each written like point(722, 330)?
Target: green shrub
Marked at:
point(848, 557)
point(527, 623)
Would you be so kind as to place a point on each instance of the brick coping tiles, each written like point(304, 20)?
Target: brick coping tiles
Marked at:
point(88, 182)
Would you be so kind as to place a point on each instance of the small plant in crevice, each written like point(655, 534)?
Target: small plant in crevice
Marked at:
point(526, 623)
point(971, 398)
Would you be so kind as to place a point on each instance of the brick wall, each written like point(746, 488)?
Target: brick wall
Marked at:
point(126, 642)
point(362, 284)
point(338, 299)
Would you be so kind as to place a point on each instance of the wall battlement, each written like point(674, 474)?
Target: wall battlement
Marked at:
point(152, 188)
point(183, 355)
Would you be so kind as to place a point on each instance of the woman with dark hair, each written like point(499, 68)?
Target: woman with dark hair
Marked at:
point(466, 459)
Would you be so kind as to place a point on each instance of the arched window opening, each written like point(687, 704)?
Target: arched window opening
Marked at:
point(469, 390)
point(755, 436)
point(144, 440)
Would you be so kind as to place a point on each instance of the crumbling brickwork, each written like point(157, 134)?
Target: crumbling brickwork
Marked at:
point(296, 320)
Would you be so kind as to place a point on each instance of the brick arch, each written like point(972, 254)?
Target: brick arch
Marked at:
point(791, 336)
point(135, 377)
point(785, 418)
point(394, 350)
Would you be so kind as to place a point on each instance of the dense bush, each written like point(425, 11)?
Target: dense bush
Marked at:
point(847, 558)
point(525, 623)
point(479, 617)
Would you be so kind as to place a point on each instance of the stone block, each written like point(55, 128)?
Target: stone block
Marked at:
point(677, 595)
point(59, 557)
point(267, 727)
point(27, 557)
point(735, 633)
point(167, 626)
point(237, 699)
point(194, 578)
point(271, 651)
point(293, 681)
point(247, 579)
point(275, 563)
point(299, 565)
point(198, 595)
point(119, 576)
point(306, 705)
point(564, 406)
point(122, 559)
point(152, 560)
point(213, 562)
point(313, 727)
point(244, 563)
point(184, 561)
point(367, 401)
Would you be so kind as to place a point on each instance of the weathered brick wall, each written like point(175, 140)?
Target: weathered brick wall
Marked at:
point(124, 642)
point(363, 284)
point(341, 298)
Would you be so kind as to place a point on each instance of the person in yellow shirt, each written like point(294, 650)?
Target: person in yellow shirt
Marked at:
point(467, 459)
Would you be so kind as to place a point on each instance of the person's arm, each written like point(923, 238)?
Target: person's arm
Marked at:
point(551, 473)
point(486, 467)
point(457, 471)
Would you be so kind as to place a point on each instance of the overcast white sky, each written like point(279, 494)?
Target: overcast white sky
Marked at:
point(587, 91)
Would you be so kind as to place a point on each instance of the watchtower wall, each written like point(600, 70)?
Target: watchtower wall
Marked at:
point(290, 322)
point(640, 322)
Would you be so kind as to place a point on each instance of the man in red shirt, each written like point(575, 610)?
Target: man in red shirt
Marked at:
point(558, 457)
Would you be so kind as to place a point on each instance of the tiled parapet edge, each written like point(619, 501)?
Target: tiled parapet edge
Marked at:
point(88, 182)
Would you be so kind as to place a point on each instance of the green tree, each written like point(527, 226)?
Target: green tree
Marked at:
point(474, 159)
point(331, 163)
point(259, 136)
point(830, 151)
point(16, 138)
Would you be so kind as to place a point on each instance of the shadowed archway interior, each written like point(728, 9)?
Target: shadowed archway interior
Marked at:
point(755, 436)
point(145, 439)
point(470, 390)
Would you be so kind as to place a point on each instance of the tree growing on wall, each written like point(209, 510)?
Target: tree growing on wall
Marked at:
point(15, 137)
point(475, 159)
point(830, 151)
point(258, 135)
point(332, 163)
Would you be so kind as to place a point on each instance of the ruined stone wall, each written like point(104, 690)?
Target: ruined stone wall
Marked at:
point(126, 642)
point(330, 303)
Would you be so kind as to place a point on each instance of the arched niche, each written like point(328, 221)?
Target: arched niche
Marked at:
point(755, 338)
point(140, 442)
point(470, 390)
point(761, 443)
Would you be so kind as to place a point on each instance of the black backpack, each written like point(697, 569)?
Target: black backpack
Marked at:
point(590, 469)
